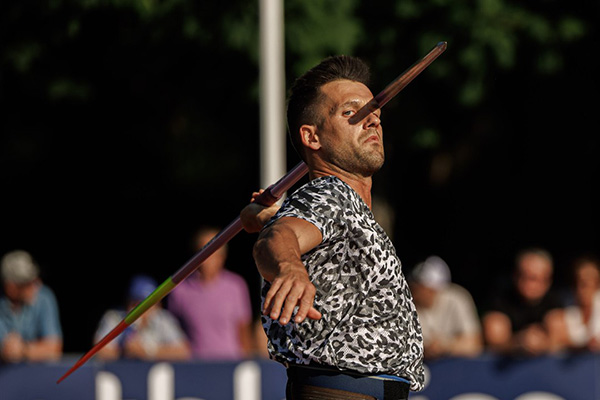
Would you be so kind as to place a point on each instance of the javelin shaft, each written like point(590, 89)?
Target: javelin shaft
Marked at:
point(407, 76)
point(267, 198)
point(399, 83)
point(272, 194)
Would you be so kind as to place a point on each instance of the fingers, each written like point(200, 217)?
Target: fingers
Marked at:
point(256, 194)
point(314, 314)
point(283, 297)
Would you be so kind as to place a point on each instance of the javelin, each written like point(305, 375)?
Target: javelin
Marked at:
point(272, 194)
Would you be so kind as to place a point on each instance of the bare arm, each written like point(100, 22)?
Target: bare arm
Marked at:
point(497, 331)
point(254, 216)
point(46, 349)
point(277, 254)
point(499, 336)
point(466, 345)
point(174, 351)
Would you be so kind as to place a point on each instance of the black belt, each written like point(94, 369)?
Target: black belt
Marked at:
point(324, 382)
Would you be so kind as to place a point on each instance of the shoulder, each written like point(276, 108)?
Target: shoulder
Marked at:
point(327, 189)
point(46, 291)
point(458, 292)
point(46, 296)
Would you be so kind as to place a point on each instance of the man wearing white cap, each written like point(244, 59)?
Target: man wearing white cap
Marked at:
point(447, 313)
point(29, 324)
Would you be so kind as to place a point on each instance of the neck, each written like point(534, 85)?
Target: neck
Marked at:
point(361, 184)
point(207, 278)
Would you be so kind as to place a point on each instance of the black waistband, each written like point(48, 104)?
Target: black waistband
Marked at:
point(381, 387)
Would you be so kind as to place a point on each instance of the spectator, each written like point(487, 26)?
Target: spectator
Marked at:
point(213, 305)
point(29, 320)
point(514, 323)
point(577, 327)
point(447, 312)
point(155, 335)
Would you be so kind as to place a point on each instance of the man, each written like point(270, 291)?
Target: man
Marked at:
point(156, 335)
point(447, 312)
point(29, 323)
point(213, 306)
point(338, 311)
point(516, 321)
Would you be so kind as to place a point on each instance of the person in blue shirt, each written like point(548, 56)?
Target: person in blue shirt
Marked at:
point(29, 320)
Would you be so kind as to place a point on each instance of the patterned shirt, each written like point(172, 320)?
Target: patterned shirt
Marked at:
point(369, 322)
point(35, 321)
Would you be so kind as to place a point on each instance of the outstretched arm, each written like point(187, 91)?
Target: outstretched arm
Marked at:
point(277, 253)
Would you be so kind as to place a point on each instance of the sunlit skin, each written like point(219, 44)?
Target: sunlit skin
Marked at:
point(334, 146)
point(352, 152)
point(338, 146)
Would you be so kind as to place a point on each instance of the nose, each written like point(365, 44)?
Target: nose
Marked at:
point(372, 121)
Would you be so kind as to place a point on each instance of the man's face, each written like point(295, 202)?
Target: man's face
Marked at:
point(22, 293)
point(534, 277)
point(587, 284)
point(355, 148)
point(216, 262)
point(423, 296)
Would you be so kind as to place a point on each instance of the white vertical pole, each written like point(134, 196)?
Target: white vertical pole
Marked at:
point(272, 92)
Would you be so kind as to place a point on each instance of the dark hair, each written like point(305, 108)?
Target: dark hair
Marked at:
point(305, 94)
point(538, 251)
point(582, 260)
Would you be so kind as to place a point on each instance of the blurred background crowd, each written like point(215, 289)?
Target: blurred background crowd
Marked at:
point(209, 316)
point(128, 124)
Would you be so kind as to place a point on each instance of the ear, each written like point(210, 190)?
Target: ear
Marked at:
point(310, 137)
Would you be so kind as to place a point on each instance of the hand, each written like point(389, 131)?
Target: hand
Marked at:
point(13, 348)
point(534, 340)
point(289, 289)
point(134, 348)
point(434, 349)
point(254, 216)
point(594, 344)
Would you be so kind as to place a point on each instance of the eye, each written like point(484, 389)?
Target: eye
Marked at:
point(348, 113)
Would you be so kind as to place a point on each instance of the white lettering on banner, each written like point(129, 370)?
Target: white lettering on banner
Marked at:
point(161, 382)
point(539, 396)
point(483, 396)
point(160, 385)
point(108, 386)
point(427, 374)
point(246, 381)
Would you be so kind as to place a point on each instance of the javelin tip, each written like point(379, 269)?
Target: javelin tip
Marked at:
point(106, 339)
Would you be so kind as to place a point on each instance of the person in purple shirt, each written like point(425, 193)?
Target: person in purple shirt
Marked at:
point(213, 306)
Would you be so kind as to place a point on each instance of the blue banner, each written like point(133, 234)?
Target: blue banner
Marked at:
point(483, 378)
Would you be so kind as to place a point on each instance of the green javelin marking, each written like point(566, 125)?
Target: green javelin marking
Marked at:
point(149, 301)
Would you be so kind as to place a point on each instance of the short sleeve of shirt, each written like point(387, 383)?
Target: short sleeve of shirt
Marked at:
point(320, 202)
point(50, 321)
point(35, 321)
